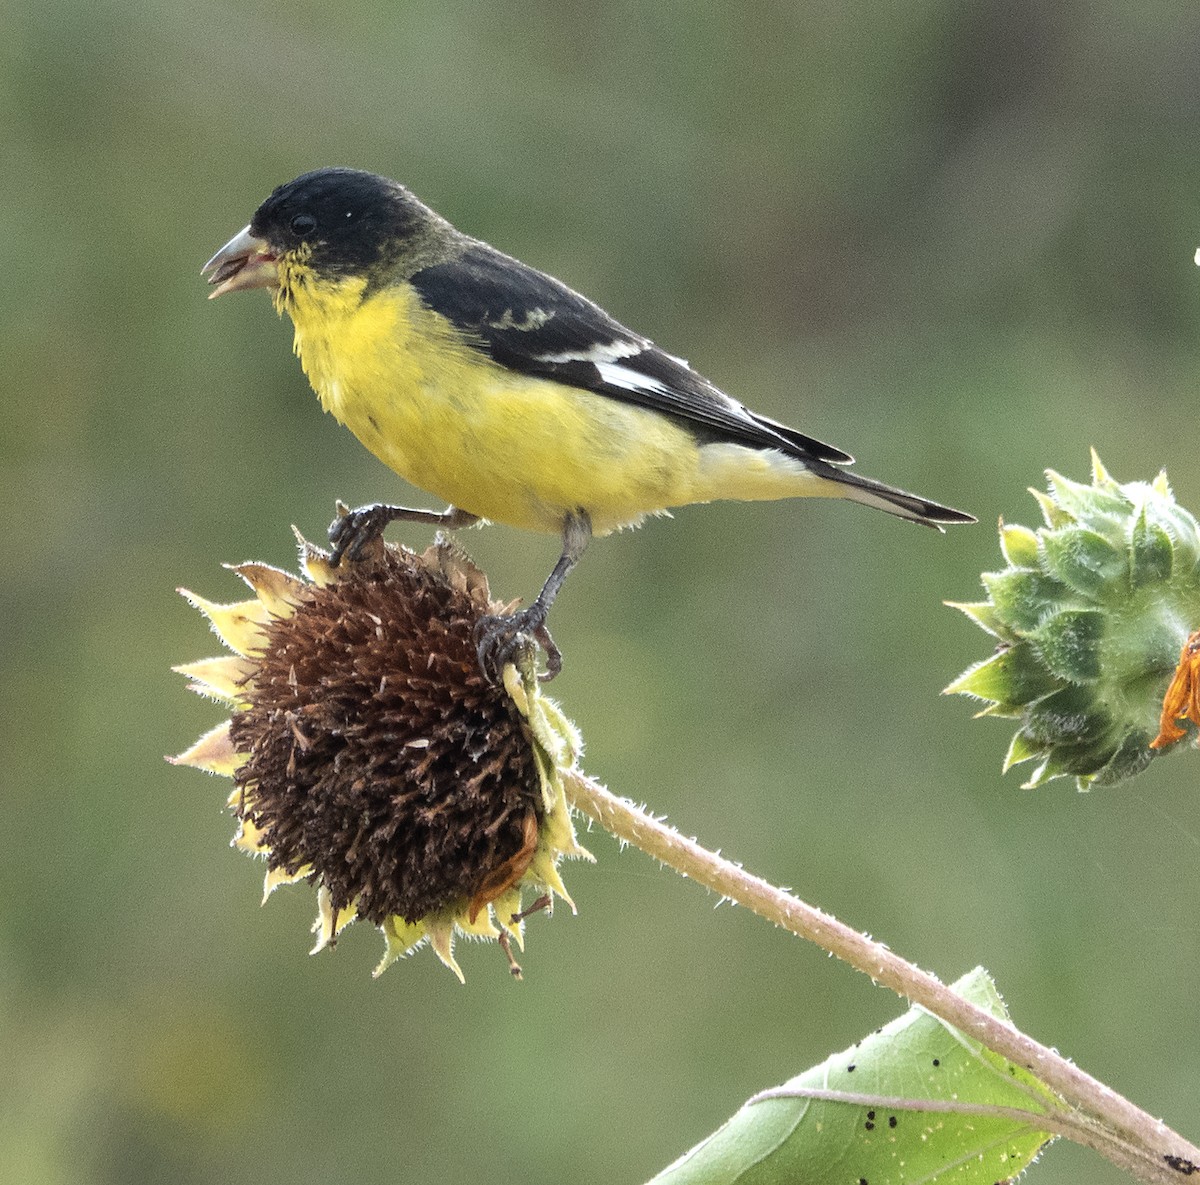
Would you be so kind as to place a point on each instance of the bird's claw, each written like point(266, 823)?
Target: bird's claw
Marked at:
point(353, 532)
point(500, 638)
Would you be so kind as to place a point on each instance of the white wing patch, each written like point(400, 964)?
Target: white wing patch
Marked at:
point(599, 353)
point(534, 319)
point(616, 375)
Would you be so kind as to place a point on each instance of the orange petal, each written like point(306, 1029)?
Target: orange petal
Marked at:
point(505, 876)
point(1182, 701)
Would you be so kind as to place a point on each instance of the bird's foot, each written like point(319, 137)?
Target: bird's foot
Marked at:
point(501, 637)
point(358, 533)
point(353, 534)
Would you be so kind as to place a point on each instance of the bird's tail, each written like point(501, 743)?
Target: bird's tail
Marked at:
point(901, 503)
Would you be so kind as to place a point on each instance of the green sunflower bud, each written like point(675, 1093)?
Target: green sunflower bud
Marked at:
point(1089, 615)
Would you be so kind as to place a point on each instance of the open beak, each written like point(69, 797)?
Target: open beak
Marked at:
point(244, 262)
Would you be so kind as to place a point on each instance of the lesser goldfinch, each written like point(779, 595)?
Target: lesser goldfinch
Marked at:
point(503, 391)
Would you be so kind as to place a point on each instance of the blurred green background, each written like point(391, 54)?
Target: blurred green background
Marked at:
point(955, 239)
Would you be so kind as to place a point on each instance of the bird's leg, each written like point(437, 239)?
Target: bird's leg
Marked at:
point(498, 637)
point(353, 530)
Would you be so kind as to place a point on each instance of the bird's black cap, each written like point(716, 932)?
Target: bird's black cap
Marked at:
point(352, 222)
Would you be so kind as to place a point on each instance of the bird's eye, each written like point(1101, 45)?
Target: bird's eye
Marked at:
point(303, 224)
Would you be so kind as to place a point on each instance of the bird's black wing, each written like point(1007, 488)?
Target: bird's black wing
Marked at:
point(530, 322)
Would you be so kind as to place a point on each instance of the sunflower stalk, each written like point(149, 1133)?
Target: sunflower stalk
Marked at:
point(1091, 1113)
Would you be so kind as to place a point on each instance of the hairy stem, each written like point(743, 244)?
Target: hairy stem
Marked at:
point(1135, 1141)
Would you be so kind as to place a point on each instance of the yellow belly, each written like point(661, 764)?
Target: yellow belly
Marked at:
point(511, 449)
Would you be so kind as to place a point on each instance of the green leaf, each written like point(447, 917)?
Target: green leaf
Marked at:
point(1013, 676)
point(1080, 761)
point(999, 710)
point(1133, 755)
point(1085, 561)
point(1069, 644)
point(1022, 748)
point(1183, 530)
point(1019, 545)
point(1068, 716)
point(1101, 478)
point(1024, 596)
point(984, 615)
point(1081, 500)
point(1151, 550)
point(1054, 515)
point(877, 1135)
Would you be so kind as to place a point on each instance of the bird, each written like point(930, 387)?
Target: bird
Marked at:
point(500, 389)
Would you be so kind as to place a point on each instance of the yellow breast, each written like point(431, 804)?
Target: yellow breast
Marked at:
point(443, 415)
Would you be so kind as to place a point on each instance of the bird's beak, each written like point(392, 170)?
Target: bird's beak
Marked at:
point(244, 262)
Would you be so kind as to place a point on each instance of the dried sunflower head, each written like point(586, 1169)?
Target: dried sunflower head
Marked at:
point(372, 758)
